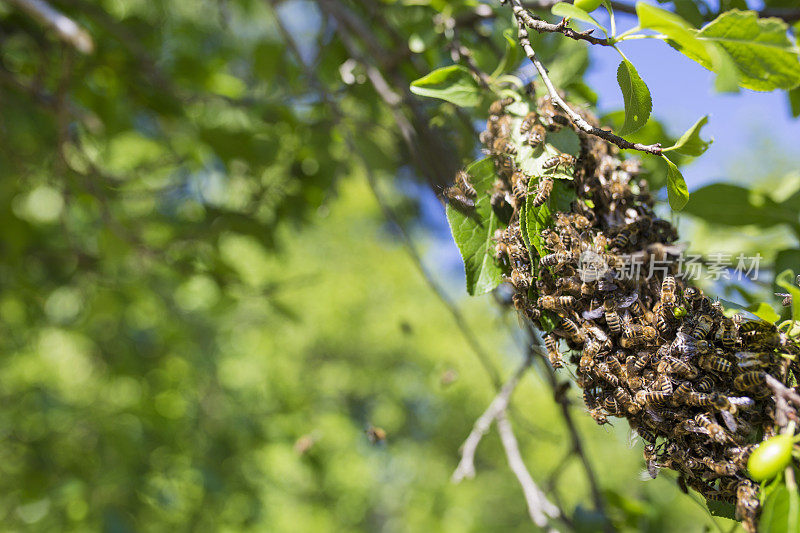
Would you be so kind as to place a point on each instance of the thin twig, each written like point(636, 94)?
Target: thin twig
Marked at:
point(466, 467)
point(539, 507)
point(535, 23)
point(784, 396)
point(66, 29)
point(576, 119)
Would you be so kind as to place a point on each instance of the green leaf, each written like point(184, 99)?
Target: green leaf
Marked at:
point(760, 48)
point(539, 218)
point(510, 57)
point(786, 280)
point(721, 509)
point(565, 10)
point(777, 510)
point(690, 143)
point(454, 84)
point(794, 101)
point(677, 192)
point(473, 231)
point(783, 260)
point(732, 205)
point(636, 95)
point(683, 37)
point(764, 311)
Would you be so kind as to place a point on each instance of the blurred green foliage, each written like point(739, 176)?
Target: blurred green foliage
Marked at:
point(203, 309)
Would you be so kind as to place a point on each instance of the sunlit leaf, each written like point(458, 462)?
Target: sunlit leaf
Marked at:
point(454, 84)
point(775, 514)
point(638, 103)
point(690, 143)
point(732, 205)
point(473, 230)
point(565, 10)
point(510, 57)
point(677, 192)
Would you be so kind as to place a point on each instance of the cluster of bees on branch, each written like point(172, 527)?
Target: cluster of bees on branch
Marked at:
point(649, 348)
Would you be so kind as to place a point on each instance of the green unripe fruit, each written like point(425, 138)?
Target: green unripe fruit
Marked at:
point(771, 457)
point(588, 5)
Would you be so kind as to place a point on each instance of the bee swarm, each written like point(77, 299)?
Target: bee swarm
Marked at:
point(651, 349)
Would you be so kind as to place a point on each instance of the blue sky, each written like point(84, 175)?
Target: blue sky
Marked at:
point(683, 91)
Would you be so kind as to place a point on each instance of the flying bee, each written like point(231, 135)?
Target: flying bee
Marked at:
point(750, 380)
point(503, 146)
point(702, 327)
point(552, 351)
point(458, 198)
point(462, 182)
point(543, 191)
point(668, 291)
point(556, 303)
point(375, 434)
point(715, 364)
point(557, 258)
point(558, 160)
point(714, 430)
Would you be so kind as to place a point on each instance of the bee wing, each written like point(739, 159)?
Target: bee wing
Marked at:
point(729, 420)
point(626, 302)
point(593, 313)
point(742, 402)
point(649, 473)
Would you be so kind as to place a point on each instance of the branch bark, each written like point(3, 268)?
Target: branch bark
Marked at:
point(66, 29)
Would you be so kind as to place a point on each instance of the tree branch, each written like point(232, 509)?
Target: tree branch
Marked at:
point(66, 29)
point(539, 507)
point(466, 467)
point(535, 23)
point(576, 119)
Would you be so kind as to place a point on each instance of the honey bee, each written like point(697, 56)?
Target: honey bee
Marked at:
point(602, 371)
point(519, 184)
point(590, 351)
point(557, 258)
point(616, 368)
point(556, 303)
point(572, 329)
point(503, 146)
point(670, 365)
point(715, 364)
point(624, 399)
point(664, 319)
point(650, 459)
point(714, 430)
point(528, 122)
point(598, 416)
point(520, 280)
point(668, 292)
point(704, 384)
point(702, 327)
point(648, 397)
point(536, 135)
point(543, 191)
point(458, 198)
point(558, 160)
point(623, 238)
point(611, 315)
point(497, 127)
point(498, 106)
point(552, 351)
point(726, 334)
point(462, 182)
point(747, 504)
point(750, 380)
point(375, 434)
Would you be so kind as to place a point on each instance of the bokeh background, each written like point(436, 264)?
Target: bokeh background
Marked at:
point(205, 308)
